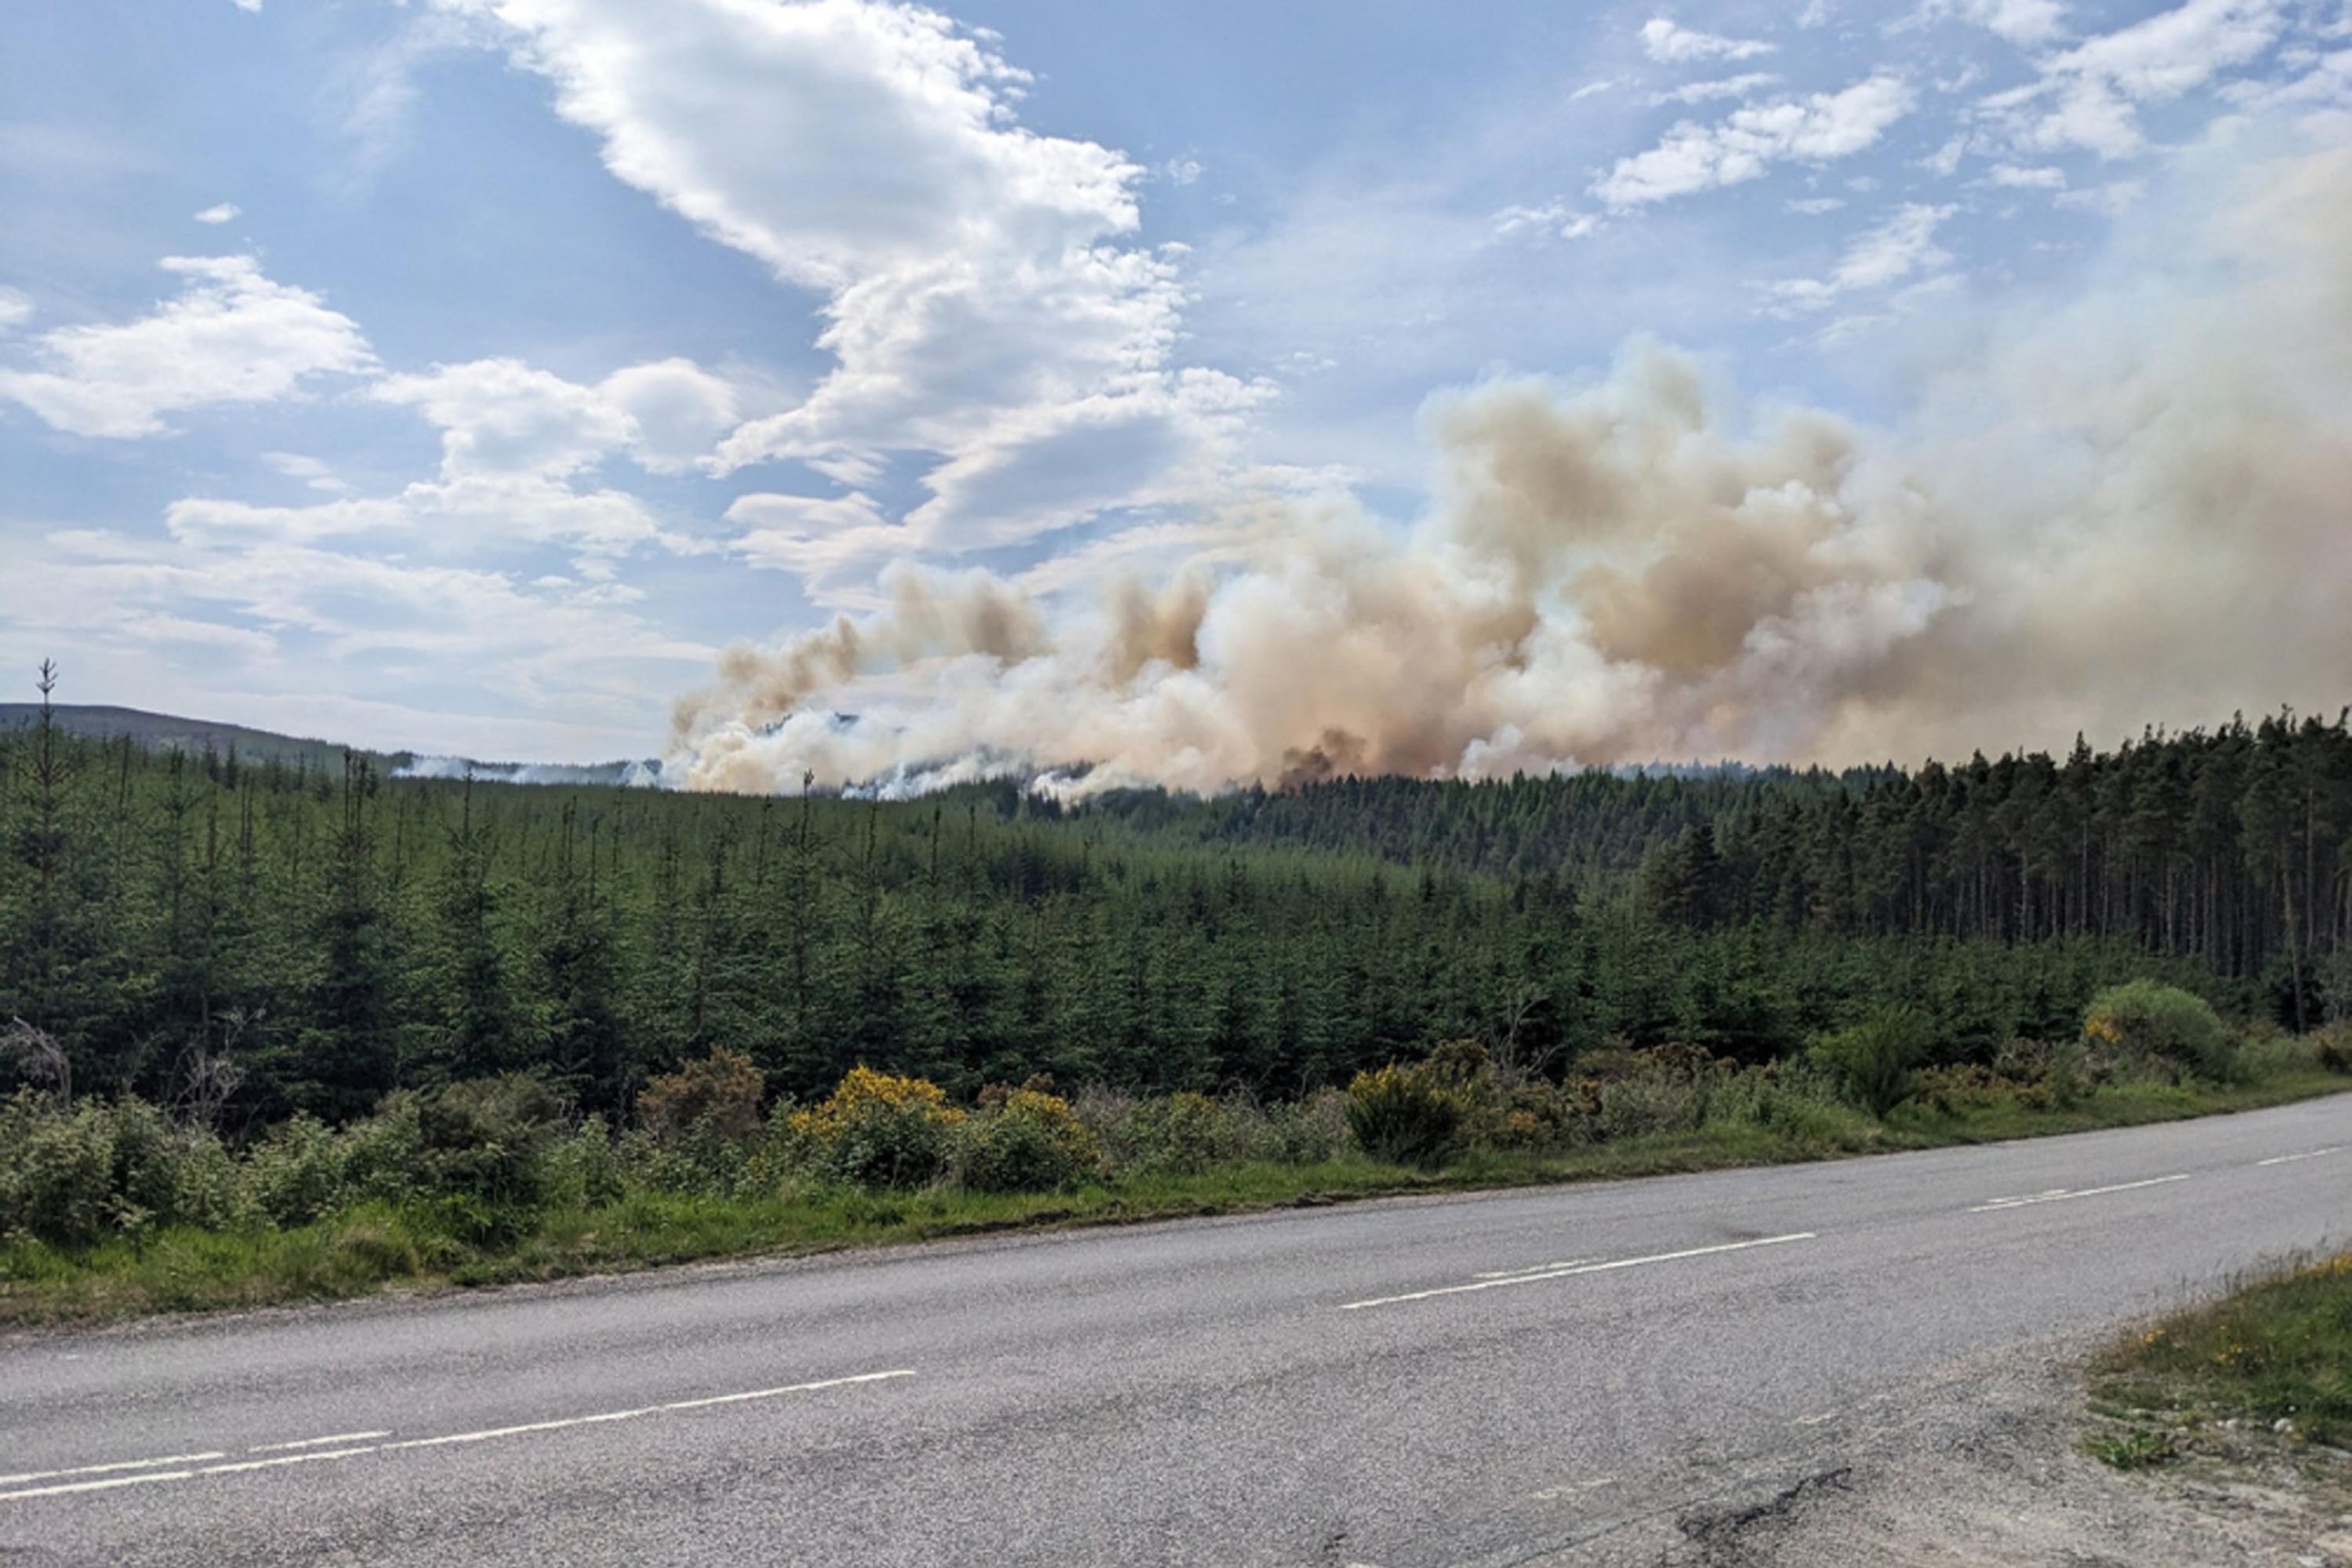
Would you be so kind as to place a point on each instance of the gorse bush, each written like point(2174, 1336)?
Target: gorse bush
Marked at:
point(879, 1130)
point(719, 1096)
point(1025, 1141)
point(2145, 1028)
point(1415, 1115)
point(1872, 1063)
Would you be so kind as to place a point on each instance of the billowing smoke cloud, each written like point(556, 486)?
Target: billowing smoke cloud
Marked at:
point(2130, 504)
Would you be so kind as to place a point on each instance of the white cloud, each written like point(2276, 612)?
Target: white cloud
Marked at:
point(679, 411)
point(222, 213)
point(1813, 207)
point(248, 6)
point(1817, 128)
point(515, 442)
point(1743, 86)
point(2021, 22)
point(2088, 96)
point(15, 309)
point(981, 288)
point(1184, 171)
point(1553, 219)
point(500, 416)
point(1669, 43)
point(1898, 250)
point(2111, 200)
point(309, 471)
point(231, 336)
point(2015, 177)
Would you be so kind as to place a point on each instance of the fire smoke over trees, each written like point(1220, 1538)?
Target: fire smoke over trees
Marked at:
point(2131, 502)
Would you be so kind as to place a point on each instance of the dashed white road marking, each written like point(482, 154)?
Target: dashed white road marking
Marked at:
point(2060, 1194)
point(102, 1469)
point(308, 1456)
point(1531, 1268)
point(187, 1467)
point(1577, 1269)
point(2307, 1154)
point(316, 1442)
point(486, 1434)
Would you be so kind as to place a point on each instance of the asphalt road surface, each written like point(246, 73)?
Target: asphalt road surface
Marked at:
point(1492, 1379)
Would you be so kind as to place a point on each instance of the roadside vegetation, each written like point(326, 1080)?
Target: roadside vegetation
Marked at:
point(2266, 1372)
point(113, 1205)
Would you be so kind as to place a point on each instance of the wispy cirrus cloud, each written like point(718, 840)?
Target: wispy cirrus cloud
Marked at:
point(1816, 127)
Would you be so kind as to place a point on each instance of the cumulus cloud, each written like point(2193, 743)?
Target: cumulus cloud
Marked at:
point(2022, 22)
point(515, 441)
point(219, 214)
point(2118, 504)
point(2089, 96)
point(983, 296)
point(15, 309)
point(1669, 43)
point(1817, 128)
point(231, 336)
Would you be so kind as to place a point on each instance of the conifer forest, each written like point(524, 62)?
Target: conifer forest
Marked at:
point(334, 933)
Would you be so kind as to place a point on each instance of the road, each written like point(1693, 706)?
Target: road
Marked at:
point(1489, 1379)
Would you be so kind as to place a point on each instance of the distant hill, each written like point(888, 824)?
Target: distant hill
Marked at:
point(167, 731)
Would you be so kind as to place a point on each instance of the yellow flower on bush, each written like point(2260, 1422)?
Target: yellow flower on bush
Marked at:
point(879, 1130)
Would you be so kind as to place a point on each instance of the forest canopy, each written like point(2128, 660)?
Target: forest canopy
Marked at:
point(330, 934)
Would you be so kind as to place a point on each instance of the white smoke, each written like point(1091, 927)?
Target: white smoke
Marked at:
point(2130, 504)
point(633, 775)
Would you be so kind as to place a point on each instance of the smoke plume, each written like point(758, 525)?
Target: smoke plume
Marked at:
point(2131, 503)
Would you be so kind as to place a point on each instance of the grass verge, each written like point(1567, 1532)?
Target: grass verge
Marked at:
point(2271, 1360)
point(416, 1247)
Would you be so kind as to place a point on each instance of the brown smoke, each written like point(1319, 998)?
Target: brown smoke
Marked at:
point(2130, 505)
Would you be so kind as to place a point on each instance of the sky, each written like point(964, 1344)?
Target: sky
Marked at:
point(473, 375)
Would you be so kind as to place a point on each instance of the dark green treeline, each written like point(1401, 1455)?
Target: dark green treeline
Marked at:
point(336, 934)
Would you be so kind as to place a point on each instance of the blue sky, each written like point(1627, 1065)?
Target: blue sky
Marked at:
point(467, 376)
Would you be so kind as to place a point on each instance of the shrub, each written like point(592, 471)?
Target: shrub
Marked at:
point(54, 1169)
point(879, 1130)
point(297, 1172)
point(486, 1138)
point(1871, 1062)
point(74, 1175)
point(2336, 1049)
point(2147, 1028)
point(1408, 1115)
point(718, 1096)
point(1029, 1142)
point(1312, 1130)
point(1651, 1103)
point(1182, 1132)
point(583, 1169)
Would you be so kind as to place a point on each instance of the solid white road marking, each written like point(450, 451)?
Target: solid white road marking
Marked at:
point(315, 1442)
point(310, 1453)
point(2307, 1154)
point(2060, 1194)
point(1578, 1269)
point(102, 1469)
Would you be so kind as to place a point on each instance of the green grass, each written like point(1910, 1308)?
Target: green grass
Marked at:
point(419, 1246)
point(2278, 1348)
